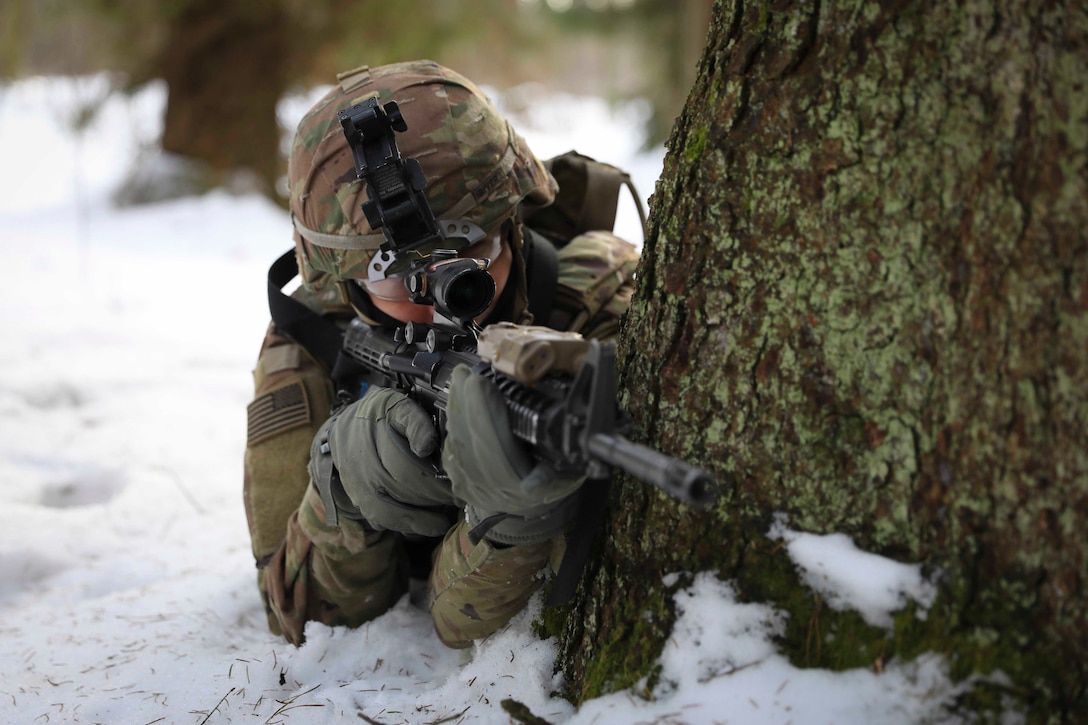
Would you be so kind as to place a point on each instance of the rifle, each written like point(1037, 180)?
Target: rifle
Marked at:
point(559, 388)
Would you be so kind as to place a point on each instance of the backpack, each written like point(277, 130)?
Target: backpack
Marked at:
point(589, 192)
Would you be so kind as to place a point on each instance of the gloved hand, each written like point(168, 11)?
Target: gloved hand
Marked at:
point(496, 474)
point(376, 452)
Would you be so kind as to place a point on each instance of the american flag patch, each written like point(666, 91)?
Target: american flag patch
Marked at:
point(276, 412)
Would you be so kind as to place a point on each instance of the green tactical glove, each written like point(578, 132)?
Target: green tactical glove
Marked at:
point(371, 462)
point(495, 474)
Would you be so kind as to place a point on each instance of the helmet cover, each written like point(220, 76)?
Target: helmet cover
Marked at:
point(477, 167)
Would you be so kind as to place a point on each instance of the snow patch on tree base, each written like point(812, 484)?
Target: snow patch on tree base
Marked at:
point(849, 578)
point(722, 665)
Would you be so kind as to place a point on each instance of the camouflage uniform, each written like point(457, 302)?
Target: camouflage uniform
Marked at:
point(349, 574)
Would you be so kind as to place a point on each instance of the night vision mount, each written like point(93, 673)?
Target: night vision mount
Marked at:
point(417, 247)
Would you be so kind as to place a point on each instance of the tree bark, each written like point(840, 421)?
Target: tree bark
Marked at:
point(864, 304)
point(225, 64)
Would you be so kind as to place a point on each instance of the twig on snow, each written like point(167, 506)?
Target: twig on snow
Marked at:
point(212, 711)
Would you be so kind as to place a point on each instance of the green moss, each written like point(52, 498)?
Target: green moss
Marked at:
point(696, 145)
point(630, 657)
point(552, 621)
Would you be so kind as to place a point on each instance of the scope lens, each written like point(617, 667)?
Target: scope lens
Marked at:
point(464, 292)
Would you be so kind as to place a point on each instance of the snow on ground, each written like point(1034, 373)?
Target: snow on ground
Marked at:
point(126, 584)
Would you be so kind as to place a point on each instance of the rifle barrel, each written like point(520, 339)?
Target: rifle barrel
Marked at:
point(681, 480)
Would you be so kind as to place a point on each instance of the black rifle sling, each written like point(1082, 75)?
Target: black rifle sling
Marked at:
point(591, 507)
point(321, 338)
point(542, 273)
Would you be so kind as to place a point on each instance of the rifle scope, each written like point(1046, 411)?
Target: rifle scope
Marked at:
point(459, 288)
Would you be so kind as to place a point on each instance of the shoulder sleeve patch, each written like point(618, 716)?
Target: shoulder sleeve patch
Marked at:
point(277, 411)
point(281, 357)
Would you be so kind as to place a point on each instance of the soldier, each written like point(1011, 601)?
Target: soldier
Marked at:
point(398, 511)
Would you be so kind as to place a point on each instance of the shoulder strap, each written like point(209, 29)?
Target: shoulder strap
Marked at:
point(317, 335)
point(603, 183)
point(541, 274)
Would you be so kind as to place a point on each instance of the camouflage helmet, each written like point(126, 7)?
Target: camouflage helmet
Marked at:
point(477, 167)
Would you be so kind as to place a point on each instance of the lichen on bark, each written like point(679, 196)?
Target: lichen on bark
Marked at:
point(864, 303)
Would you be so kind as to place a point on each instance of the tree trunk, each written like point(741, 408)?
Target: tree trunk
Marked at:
point(226, 68)
point(864, 303)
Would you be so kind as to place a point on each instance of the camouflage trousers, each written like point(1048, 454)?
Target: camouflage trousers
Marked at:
point(349, 574)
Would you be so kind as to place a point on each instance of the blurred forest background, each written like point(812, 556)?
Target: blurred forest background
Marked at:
point(227, 63)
